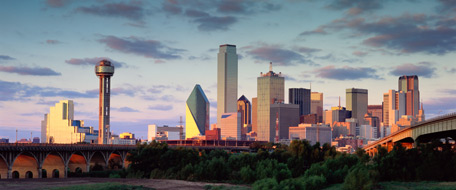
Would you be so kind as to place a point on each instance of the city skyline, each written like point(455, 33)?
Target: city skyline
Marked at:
point(331, 44)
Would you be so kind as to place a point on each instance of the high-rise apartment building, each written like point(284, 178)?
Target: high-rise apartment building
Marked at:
point(301, 97)
point(270, 89)
point(410, 86)
point(197, 113)
point(59, 125)
point(227, 80)
point(356, 102)
point(316, 105)
point(104, 70)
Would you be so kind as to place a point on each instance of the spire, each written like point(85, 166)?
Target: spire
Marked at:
point(421, 105)
point(339, 102)
point(270, 66)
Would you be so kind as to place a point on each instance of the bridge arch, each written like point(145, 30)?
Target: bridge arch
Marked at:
point(53, 161)
point(26, 162)
point(77, 160)
point(99, 161)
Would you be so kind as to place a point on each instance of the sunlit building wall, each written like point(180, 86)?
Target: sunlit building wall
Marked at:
point(410, 86)
point(58, 124)
point(230, 125)
point(316, 105)
point(197, 113)
point(245, 108)
point(393, 107)
point(270, 89)
point(227, 80)
point(255, 114)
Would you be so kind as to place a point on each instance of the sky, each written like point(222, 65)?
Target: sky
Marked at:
point(162, 49)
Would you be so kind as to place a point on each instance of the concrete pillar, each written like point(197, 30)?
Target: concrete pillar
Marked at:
point(88, 166)
point(40, 172)
point(10, 172)
point(66, 170)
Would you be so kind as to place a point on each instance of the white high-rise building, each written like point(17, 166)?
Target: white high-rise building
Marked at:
point(227, 80)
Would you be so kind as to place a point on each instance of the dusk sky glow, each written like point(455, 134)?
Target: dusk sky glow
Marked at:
point(161, 49)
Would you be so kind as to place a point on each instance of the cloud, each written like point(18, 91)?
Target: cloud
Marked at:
point(451, 70)
point(319, 30)
point(125, 109)
point(422, 69)
point(446, 6)
point(225, 13)
point(278, 55)
point(213, 23)
point(360, 53)
point(57, 3)
point(94, 61)
point(131, 11)
point(332, 58)
point(441, 105)
point(35, 71)
point(160, 107)
point(346, 73)
point(406, 33)
point(355, 7)
point(53, 42)
point(306, 50)
point(146, 48)
point(20, 91)
point(5, 57)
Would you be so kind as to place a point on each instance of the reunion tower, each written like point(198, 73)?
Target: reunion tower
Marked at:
point(104, 70)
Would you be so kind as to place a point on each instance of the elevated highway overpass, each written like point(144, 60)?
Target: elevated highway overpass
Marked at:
point(438, 127)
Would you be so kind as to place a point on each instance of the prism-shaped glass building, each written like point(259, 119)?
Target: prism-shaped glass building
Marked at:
point(197, 113)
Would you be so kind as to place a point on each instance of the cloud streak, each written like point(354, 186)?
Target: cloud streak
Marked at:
point(278, 55)
point(422, 69)
point(5, 57)
point(147, 48)
point(347, 73)
point(131, 11)
point(160, 107)
point(94, 61)
point(34, 71)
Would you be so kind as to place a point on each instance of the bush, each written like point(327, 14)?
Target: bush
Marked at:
point(266, 184)
point(360, 177)
point(314, 182)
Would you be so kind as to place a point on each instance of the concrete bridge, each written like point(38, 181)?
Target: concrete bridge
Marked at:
point(54, 160)
point(435, 128)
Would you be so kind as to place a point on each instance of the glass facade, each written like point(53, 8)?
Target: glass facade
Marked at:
point(197, 113)
point(227, 80)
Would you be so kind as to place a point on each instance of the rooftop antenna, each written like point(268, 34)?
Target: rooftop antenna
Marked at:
point(181, 122)
point(339, 102)
point(270, 66)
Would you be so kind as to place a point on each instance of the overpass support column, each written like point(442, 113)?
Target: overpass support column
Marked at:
point(10, 172)
point(88, 156)
point(66, 159)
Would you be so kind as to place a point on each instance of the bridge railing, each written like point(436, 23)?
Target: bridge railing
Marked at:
point(64, 145)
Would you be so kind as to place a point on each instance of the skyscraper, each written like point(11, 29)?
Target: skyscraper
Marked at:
point(104, 70)
point(393, 107)
point(316, 105)
point(270, 89)
point(245, 108)
point(300, 96)
point(197, 113)
point(227, 80)
point(255, 114)
point(356, 102)
point(409, 85)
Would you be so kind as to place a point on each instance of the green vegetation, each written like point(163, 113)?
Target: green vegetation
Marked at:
point(103, 186)
point(298, 166)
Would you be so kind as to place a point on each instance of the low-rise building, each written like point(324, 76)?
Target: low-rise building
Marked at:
point(312, 133)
